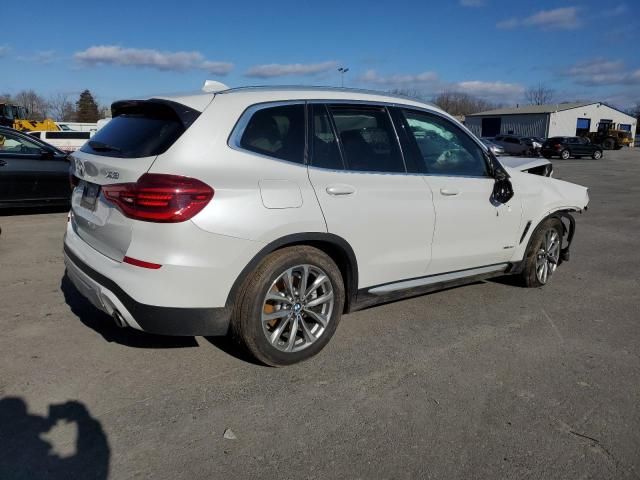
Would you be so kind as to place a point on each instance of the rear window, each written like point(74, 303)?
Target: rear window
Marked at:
point(141, 129)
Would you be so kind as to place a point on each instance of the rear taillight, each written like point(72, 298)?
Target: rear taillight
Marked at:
point(557, 146)
point(158, 197)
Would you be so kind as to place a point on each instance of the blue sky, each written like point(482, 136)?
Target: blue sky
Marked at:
point(489, 48)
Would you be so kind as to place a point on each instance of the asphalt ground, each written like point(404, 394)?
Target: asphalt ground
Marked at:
point(485, 381)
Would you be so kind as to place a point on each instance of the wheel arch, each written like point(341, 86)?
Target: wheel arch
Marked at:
point(569, 229)
point(336, 247)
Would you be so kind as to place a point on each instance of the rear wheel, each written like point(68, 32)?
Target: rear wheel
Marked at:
point(609, 144)
point(597, 155)
point(289, 308)
point(543, 253)
point(565, 154)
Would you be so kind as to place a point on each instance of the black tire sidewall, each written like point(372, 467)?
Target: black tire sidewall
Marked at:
point(529, 273)
point(261, 280)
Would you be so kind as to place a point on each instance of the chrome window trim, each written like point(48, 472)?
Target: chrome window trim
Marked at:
point(235, 136)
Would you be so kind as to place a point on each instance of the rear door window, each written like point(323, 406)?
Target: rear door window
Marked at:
point(141, 129)
point(367, 138)
point(277, 132)
point(324, 145)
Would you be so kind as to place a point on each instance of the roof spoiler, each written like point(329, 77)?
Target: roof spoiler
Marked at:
point(211, 86)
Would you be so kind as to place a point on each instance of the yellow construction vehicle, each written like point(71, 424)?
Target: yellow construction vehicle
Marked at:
point(17, 117)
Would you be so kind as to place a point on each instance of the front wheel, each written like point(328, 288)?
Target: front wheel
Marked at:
point(543, 254)
point(289, 308)
point(597, 155)
point(565, 154)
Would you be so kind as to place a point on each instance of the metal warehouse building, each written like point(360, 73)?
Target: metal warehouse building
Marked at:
point(561, 119)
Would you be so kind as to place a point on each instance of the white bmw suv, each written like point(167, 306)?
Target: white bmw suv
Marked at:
point(268, 213)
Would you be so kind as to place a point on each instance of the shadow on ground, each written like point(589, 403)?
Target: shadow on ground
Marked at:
point(105, 326)
point(25, 454)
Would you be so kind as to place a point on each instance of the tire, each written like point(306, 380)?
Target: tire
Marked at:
point(531, 274)
point(609, 144)
point(263, 310)
point(597, 155)
point(565, 154)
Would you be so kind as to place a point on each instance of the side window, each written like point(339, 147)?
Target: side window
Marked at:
point(13, 144)
point(367, 138)
point(324, 146)
point(445, 148)
point(277, 132)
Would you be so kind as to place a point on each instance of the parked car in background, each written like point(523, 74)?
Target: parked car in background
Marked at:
point(77, 126)
point(32, 172)
point(68, 140)
point(263, 228)
point(567, 147)
point(494, 147)
point(515, 145)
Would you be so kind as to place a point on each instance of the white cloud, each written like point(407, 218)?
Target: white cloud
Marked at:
point(400, 80)
point(430, 83)
point(602, 71)
point(137, 57)
point(272, 70)
point(489, 89)
point(4, 50)
point(565, 18)
point(472, 3)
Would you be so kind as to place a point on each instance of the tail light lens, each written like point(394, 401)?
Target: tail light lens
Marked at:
point(557, 146)
point(160, 198)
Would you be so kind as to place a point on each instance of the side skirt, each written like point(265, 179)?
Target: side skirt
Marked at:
point(370, 296)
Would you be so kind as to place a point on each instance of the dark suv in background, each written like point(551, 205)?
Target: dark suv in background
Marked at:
point(567, 147)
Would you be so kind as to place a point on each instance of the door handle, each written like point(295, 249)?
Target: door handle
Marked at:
point(339, 190)
point(3, 163)
point(449, 191)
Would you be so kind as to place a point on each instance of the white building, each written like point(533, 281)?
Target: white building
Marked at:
point(562, 119)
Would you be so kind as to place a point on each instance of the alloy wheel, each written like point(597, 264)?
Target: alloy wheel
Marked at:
point(548, 256)
point(297, 308)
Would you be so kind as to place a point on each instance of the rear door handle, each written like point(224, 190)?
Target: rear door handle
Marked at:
point(449, 191)
point(339, 190)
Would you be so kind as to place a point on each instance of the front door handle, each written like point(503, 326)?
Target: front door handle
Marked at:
point(449, 191)
point(339, 190)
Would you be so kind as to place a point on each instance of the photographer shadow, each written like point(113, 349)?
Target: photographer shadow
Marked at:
point(26, 455)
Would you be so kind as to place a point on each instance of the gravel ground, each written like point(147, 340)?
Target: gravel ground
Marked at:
point(485, 381)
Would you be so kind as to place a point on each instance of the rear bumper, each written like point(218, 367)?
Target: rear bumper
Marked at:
point(107, 296)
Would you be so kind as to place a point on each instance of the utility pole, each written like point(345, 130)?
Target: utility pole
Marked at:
point(342, 71)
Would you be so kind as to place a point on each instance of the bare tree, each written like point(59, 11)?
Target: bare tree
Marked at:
point(459, 103)
point(35, 104)
point(61, 108)
point(539, 94)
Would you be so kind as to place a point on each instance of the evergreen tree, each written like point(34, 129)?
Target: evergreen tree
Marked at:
point(87, 108)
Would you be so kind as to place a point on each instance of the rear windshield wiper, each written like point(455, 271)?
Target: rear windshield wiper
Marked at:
point(99, 146)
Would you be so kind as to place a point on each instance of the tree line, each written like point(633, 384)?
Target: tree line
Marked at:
point(60, 106)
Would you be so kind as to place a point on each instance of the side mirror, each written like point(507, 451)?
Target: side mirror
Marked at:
point(502, 190)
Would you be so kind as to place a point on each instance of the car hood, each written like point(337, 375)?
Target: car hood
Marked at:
point(522, 163)
point(554, 194)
